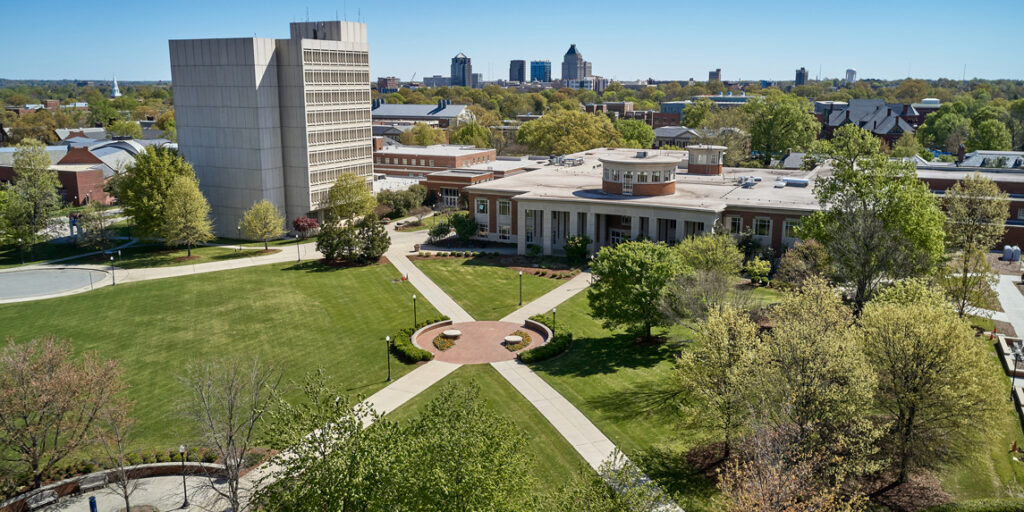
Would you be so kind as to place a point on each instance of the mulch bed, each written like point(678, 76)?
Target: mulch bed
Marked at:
point(526, 340)
point(649, 341)
point(1004, 328)
point(443, 342)
point(920, 491)
point(517, 263)
point(995, 259)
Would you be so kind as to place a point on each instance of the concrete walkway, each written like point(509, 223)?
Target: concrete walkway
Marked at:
point(402, 244)
point(411, 384)
point(1012, 301)
point(584, 436)
point(545, 302)
point(162, 492)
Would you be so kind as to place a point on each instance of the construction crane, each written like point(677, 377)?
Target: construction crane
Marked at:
point(413, 79)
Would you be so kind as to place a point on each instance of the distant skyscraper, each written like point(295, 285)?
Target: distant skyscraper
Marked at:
point(573, 65)
point(478, 80)
point(801, 76)
point(540, 70)
point(851, 76)
point(462, 71)
point(274, 119)
point(517, 71)
point(715, 76)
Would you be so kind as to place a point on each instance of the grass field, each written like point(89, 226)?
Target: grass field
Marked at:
point(554, 459)
point(485, 291)
point(295, 316)
point(427, 223)
point(149, 256)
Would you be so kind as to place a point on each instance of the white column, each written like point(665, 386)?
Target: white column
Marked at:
point(574, 223)
point(592, 231)
point(652, 228)
point(680, 223)
point(634, 227)
point(545, 230)
point(521, 230)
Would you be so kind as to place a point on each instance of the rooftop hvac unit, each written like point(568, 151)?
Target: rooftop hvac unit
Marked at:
point(641, 154)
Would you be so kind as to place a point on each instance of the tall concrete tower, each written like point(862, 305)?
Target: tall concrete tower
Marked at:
point(462, 70)
point(573, 65)
point(275, 119)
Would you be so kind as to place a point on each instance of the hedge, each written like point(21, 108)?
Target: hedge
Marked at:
point(983, 505)
point(402, 346)
point(559, 343)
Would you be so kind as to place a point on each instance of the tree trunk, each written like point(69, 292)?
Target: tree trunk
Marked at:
point(127, 504)
point(267, 248)
point(189, 246)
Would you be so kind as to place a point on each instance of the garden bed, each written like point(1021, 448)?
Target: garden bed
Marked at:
point(524, 341)
point(443, 342)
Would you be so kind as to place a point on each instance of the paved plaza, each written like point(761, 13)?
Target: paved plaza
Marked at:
point(479, 343)
point(40, 283)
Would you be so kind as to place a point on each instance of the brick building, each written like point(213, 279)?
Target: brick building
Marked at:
point(418, 161)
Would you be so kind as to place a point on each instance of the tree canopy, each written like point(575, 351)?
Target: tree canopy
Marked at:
point(422, 134)
point(185, 217)
point(635, 133)
point(141, 189)
point(780, 122)
point(629, 284)
point(472, 133)
point(348, 198)
point(262, 222)
point(568, 131)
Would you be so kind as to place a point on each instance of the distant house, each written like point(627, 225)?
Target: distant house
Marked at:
point(888, 121)
point(444, 113)
point(679, 136)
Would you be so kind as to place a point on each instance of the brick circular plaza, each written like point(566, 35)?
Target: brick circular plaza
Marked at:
point(479, 343)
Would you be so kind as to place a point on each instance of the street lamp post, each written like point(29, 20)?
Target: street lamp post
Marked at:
point(554, 322)
point(113, 276)
point(387, 345)
point(415, 321)
point(21, 250)
point(298, 252)
point(520, 287)
point(184, 488)
point(238, 231)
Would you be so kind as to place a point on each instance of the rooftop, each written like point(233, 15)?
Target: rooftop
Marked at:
point(435, 150)
point(506, 165)
point(693, 192)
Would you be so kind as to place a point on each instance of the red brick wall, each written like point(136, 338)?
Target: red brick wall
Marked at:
point(82, 184)
point(610, 187)
point(492, 211)
point(705, 168)
point(775, 239)
point(654, 189)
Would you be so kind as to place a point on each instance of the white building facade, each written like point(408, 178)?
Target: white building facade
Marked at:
point(275, 119)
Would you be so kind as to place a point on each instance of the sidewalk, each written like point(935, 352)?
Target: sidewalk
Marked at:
point(1012, 301)
point(549, 300)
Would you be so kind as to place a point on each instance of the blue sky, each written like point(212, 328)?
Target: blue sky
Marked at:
point(624, 40)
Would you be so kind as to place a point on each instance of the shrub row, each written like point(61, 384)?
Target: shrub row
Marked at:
point(983, 505)
point(403, 348)
point(556, 345)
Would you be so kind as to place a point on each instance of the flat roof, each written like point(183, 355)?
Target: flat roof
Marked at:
point(693, 191)
point(648, 158)
point(507, 165)
point(435, 150)
point(462, 172)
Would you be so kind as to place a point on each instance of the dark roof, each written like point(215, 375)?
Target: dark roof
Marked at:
point(673, 131)
point(873, 115)
point(572, 50)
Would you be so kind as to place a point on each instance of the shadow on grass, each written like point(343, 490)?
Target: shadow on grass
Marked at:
point(313, 266)
point(688, 486)
point(660, 401)
point(594, 356)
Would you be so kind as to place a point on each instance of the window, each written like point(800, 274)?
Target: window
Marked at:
point(504, 232)
point(431, 163)
point(762, 227)
point(655, 176)
point(421, 162)
point(405, 161)
point(504, 207)
point(735, 225)
point(789, 228)
point(627, 220)
point(1020, 213)
point(484, 229)
point(378, 159)
point(617, 236)
point(615, 175)
point(481, 205)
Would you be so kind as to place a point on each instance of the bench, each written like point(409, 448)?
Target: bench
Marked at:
point(92, 482)
point(512, 339)
point(451, 333)
point(41, 499)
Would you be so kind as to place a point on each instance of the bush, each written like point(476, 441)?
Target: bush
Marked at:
point(209, 456)
point(533, 250)
point(147, 458)
point(133, 459)
point(983, 505)
point(576, 249)
point(558, 344)
point(403, 347)
point(162, 457)
point(443, 343)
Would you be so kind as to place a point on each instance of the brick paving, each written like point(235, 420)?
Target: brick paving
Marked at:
point(480, 342)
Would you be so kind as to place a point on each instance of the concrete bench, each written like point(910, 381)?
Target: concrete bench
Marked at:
point(41, 499)
point(513, 339)
point(451, 333)
point(92, 482)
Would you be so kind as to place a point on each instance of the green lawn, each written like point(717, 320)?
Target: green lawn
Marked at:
point(554, 459)
point(486, 292)
point(149, 256)
point(621, 387)
point(427, 223)
point(280, 242)
point(294, 316)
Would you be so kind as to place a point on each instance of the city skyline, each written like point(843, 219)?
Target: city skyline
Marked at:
point(754, 44)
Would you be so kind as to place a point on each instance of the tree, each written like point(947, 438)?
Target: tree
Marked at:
point(711, 376)
point(976, 211)
point(473, 134)
point(813, 374)
point(50, 402)
point(947, 132)
point(990, 134)
point(630, 280)
point(806, 259)
point(227, 400)
point(304, 226)
point(465, 226)
point(576, 249)
point(186, 215)
point(262, 222)
point(33, 198)
point(337, 241)
point(715, 252)
point(780, 122)
point(877, 222)
point(114, 435)
point(758, 270)
point(848, 147)
point(422, 135)
point(121, 128)
point(635, 133)
point(696, 114)
point(420, 212)
point(567, 131)
point(142, 188)
point(729, 127)
point(102, 113)
point(932, 375)
point(94, 226)
point(373, 239)
point(907, 146)
point(349, 197)
point(38, 126)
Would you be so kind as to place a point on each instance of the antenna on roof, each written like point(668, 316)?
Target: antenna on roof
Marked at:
point(307, 14)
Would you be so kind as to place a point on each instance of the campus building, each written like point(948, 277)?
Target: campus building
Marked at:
point(418, 161)
point(612, 195)
point(274, 119)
